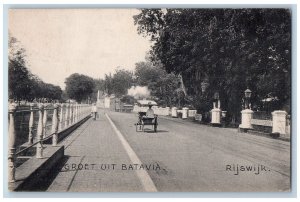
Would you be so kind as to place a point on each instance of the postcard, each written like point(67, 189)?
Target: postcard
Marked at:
point(149, 100)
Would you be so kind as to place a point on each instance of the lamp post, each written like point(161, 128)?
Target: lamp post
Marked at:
point(216, 100)
point(247, 113)
point(216, 111)
point(204, 85)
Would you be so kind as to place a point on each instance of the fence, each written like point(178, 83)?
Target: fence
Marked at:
point(37, 123)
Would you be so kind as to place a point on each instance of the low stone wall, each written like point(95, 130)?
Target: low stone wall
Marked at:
point(30, 174)
point(192, 113)
point(277, 123)
point(162, 111)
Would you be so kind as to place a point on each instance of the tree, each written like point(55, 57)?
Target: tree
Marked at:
point(121, 82)
point(161, 84)
point(23, 85)
point(79, 87)
point(99, 86)
point(18, 74)
point(231, 49)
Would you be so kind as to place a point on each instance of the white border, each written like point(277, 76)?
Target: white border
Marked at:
point(149, 3)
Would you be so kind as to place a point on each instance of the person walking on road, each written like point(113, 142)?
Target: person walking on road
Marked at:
point(94, 111)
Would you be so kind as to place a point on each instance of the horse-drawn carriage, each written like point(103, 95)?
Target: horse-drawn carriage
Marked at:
point(146, 117)
point(143, 120)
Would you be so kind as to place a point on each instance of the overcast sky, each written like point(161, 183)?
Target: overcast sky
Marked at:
point(88, 41)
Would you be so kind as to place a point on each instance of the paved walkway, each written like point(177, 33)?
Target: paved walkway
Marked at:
point(90, 154)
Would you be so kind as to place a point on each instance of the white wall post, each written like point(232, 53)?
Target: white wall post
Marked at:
point(167, 111)
point(247, 115)
point(279, 122)
point(185, 112)
point(216, 116)
point(174, 112)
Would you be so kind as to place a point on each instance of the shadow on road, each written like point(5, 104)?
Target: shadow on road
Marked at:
point(146, 130)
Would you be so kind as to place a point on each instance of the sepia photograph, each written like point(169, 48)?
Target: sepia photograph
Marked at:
point(149, 100)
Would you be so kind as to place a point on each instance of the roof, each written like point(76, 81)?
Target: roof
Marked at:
point(270, 99)
point(146, 102)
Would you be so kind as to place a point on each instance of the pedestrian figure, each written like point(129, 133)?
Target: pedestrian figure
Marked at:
point(94, 111)
point(150, 112)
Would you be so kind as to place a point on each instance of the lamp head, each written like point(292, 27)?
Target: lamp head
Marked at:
point(248, 93)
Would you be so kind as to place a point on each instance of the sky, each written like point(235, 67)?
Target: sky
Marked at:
point(93, 42)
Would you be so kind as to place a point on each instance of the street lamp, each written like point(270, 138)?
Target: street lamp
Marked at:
point(216, 96)
point(204, 85)
point(216, 100)
point(248, 93)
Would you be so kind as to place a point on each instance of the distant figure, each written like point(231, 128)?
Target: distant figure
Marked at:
point(150, 112)
point(94, 111)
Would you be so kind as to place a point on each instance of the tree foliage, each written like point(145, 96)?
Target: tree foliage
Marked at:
point(79, 87)
point(162, 85)
point(119, 82)
point(232, 49)
point(23, 85)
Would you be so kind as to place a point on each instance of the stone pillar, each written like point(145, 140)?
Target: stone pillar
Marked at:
point(83, 110)
point(74, 113)
point(247, 115)
point(30, 133)
point(11, 142)
point(216, 116)
point(67, 115)
point(55, 125)
point(61, 119)
point(279, 122)
point(77, 114)
point(70, 114)
point(45, 122)
point(174, 112)
point(185, 112)
point(39, 147)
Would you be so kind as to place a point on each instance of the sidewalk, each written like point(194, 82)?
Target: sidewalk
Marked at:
point(94, 158)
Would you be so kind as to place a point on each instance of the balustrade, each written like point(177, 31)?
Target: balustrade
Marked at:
point(63, 117)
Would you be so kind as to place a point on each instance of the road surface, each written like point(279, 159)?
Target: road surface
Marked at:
point(108, 155)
